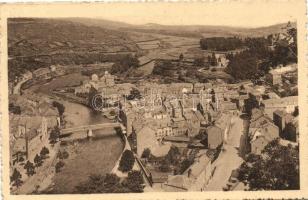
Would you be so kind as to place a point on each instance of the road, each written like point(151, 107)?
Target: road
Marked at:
point(43, 174)
point(16, 89)
point(229, 158)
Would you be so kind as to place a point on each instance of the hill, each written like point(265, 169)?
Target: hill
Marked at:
point(41, 42)
point(186, 30)
point(35, 43)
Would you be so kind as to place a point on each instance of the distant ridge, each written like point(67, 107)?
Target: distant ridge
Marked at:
point(185, 30)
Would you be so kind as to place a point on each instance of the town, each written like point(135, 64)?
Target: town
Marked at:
point(185, 126)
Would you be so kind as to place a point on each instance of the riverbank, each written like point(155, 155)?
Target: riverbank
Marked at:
point(86, 157)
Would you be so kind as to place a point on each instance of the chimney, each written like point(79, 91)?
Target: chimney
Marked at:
point(188, 173)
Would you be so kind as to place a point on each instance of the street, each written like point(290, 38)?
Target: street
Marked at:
point(229, 158)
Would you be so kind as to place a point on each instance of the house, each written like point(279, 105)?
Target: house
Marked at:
point(177, 89)
point(288, 104)
point(215, 136)
point(261, 136)
point(163, 130)
point(83, 89)
point(145, 139)
point(198, 87)
point(228, 106)
point(177, 110)
point(179, 139)
point(31, 135)
point(241, 101)
point(42, 73)
point(150, 136)
point(281, 118)
point(224, 122)
point(147, 89)
point(292, 130)
point(59, 70)
point(274, 76)
point(258, 119)
point(195, 120)
point(179, 126)
point(195, 178)
point(125, 88)
point(53, 68)
point(231, 94)
point(27, 75)
point(107, 80)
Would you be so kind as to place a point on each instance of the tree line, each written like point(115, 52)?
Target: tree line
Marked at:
point(221, 43)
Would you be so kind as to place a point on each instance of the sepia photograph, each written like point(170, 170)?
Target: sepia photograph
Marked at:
point(143, 103)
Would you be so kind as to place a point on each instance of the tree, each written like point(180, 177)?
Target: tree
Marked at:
point(146, 153)
point(124, 64)
point(38, 160)
point(199, 61)
point(16, 178)
point(54, 135)
point(95, 184)
point(221, 43)
point(63, 154)
point(165, 166)
point(135, 181)
point(134, 94)
point(44, 152)
point(111, 183)
point(59, 106)
point(213, 60)
point(181, 57)
point(277, 168)
point(14, 109)
point(59, 165)
point(163, 68)
point(173, 155)
point(29, 166)
point(243, 66)
point(127, 161)
point(213, 95)
point(185, 164)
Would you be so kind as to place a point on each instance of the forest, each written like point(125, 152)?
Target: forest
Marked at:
point(221, 43)
point(262, 54)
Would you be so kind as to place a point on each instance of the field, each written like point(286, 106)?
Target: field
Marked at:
point(88, 41)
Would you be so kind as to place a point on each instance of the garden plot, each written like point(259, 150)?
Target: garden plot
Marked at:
point(153, 44)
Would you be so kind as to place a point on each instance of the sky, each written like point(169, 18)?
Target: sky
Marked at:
point(244, 13)
point(249, 14)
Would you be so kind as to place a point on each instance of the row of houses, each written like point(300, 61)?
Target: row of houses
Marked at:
point(28, 134)
point(195, 178)
point(275, 76)
point(264, 129)
point(29, 129)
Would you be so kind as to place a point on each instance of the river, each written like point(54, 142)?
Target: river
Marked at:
point(95, 156)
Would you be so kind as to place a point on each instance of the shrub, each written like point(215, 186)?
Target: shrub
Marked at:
point(127, 161)
point(44, 152)
point(59, 165)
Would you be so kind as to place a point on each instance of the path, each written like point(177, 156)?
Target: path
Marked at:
point(17, 87)
point(229, 158)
